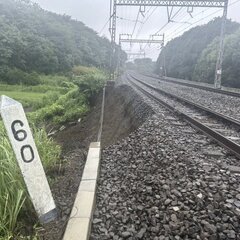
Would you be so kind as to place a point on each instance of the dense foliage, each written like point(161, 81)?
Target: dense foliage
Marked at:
point(35, 40)
point(205, 68)
point(183, 53)
point(53, 65)
point(61, 100)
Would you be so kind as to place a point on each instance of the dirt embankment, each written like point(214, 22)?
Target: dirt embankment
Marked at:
point(124, 112)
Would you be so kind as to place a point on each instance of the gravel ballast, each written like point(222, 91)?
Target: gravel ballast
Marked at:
point(221, 103)
point(161, 182)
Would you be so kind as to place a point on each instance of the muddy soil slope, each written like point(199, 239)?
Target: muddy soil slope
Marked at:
point(124, 112)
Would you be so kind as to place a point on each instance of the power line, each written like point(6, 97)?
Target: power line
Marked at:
point(166, 24)
point(127, 19)
point(141, 27)
point(201, 20)
point(105, 25)
point(146, 17)
point(186, 22)
point(145, 20)
point(168, 21)
point(135, 25)
point(154, 49)
point(174, 34)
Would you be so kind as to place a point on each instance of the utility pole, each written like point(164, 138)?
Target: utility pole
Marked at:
point(164, 62)
point(164, 57)
point(112, 29)
point(218, 72)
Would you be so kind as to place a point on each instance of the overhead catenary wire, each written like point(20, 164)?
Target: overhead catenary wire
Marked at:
point(136, 21)
point(104, 26)
point(177, 14)
point(127, 19)
point(141, 27)
point(173, 34)
point(183, 30)
point(190, 24)
point(147, 17)
point(169, 20)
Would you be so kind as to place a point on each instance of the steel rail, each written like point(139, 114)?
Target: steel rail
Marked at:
point(223, 117)
point(219, 138)
point(210, 89)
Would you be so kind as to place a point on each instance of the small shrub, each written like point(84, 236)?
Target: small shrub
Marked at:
point(82, 70)
point(68, 107)
point(17, 76)
point(54, 80)
point(89, 80)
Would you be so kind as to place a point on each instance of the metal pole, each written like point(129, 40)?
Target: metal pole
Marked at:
point(102, 116)
point(110, 22)
point(113, 38)
point(164, 63)
point(119, 58)
point(110, 30)
point(164, 57)
point(218, 72)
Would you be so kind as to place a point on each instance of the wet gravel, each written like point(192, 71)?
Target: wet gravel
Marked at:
point(221, 103)
point(227, 130)
point(161, 183)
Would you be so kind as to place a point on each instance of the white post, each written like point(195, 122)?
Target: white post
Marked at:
point(28, 159)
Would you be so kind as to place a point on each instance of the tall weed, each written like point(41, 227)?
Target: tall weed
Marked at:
point(14, 199)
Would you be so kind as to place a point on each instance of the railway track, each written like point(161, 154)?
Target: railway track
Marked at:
point(223, 129)
point(210, 89)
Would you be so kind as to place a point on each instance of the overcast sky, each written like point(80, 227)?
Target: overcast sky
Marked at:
point(96, 13)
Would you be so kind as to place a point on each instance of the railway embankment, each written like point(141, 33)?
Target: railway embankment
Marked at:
point(166, 180)
point(124, 112)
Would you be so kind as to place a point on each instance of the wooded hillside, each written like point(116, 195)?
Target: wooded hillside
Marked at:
point(193, 56)
point(205, 67)
point(32, 39)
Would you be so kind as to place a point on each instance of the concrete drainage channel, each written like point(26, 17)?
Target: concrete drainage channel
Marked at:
point(79, 224)
point(124, 112)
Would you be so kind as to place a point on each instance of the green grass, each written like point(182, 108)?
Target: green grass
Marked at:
point(15, 206)
point(38, 96)
point(55, 101)
point(26, 98)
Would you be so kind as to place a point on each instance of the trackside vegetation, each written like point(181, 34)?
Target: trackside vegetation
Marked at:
point(15, 205)
point(33, 41)
point(55, 101)
point(205, 67)
point(53, 65)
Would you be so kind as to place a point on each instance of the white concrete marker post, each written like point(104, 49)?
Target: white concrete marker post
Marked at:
point(28, 159)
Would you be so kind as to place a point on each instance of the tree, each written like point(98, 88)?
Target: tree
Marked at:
point(32, 39)
point(205, 67)
point(182, 53)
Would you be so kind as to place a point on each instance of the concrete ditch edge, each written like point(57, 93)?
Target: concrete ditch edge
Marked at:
point(80, 221)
